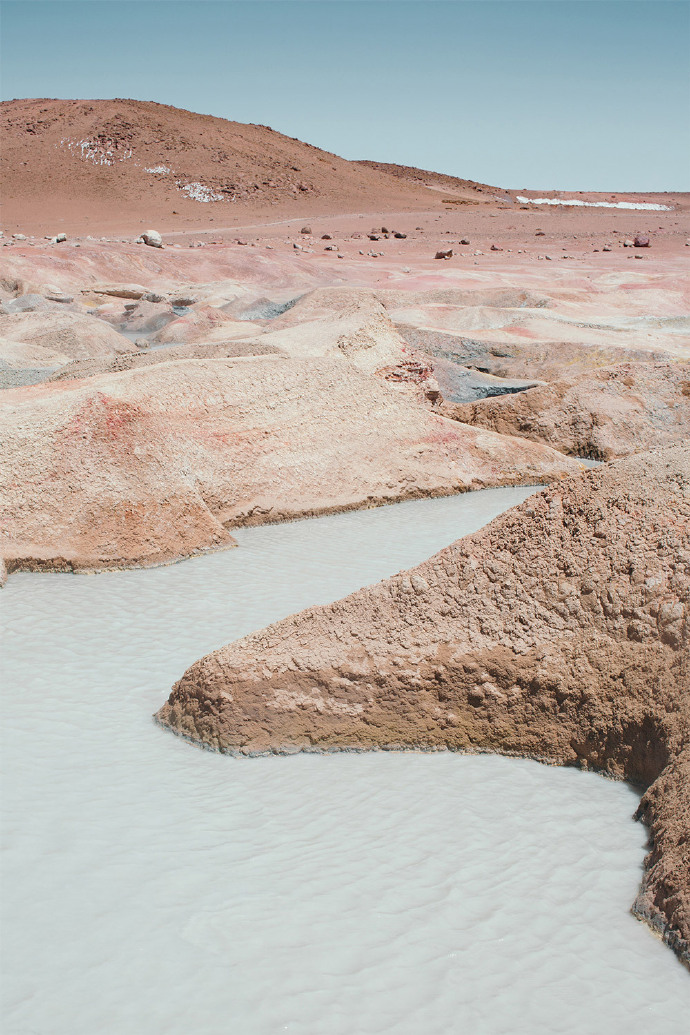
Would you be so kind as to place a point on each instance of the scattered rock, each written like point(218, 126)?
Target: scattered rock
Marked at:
point(444, 253)
point(152, 238)
point(135, 291)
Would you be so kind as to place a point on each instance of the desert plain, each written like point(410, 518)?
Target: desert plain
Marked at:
point(205, 326)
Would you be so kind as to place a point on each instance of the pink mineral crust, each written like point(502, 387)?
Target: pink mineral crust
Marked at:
point(560, 632)
point(150, 464)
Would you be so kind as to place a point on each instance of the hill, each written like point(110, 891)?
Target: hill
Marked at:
point(114, 164)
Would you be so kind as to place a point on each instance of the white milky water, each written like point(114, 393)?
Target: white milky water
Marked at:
point(150, 888)
point(645, 206)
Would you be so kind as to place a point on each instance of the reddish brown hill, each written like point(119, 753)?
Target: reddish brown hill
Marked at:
point(79, 164)
point(453, 189)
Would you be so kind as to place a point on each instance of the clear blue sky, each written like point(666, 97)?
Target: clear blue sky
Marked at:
point(588, 94)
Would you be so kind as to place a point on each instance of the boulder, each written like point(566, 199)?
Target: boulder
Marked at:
point(152, 238)
point(641, 241)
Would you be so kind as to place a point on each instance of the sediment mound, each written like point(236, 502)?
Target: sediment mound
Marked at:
point(608, 413)
point(560, 632)
point(81, 368)
point(76, 335)
point(22, 364)
point(153, 464)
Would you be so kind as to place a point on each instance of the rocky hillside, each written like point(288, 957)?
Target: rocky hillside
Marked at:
point(132, 159)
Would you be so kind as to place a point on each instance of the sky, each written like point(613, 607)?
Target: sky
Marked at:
point(552, 94)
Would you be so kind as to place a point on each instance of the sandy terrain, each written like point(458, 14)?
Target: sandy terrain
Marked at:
point(559, 632)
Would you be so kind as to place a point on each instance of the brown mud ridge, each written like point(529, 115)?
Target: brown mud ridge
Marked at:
point(558, 632)
point(601, 414)
point(147, 465)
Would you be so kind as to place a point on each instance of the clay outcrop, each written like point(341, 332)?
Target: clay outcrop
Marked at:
point(152, 464)
point(607, 413)
point(75, 335)
point(559, 632)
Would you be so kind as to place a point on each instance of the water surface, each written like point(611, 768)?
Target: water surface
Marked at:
point(150, 888)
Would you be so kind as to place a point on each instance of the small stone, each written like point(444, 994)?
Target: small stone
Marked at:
point(326, 237)
point(444, 253)
point(606, 248)
point(305, 230)
point(627, 243)
point(642, 241)
point(465, 240)
point(152, 238)
point(496, 248)
point(400, 237)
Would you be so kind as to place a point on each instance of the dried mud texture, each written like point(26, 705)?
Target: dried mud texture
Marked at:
point(22, 364)
point(347, 322)
point(75, 335)
point(544, 360)
point(559, 632)
point(608, 413)
point(82, 368)
point(150, 465)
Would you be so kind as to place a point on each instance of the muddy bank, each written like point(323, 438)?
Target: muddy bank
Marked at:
point(559, 632)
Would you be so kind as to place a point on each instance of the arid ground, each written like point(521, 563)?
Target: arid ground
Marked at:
point(303, 334)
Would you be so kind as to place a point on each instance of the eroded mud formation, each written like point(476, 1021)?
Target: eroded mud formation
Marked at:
point(559, 632)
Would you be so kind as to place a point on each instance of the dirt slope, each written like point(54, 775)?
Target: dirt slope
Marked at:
point(560, 631)
point(70, 163)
